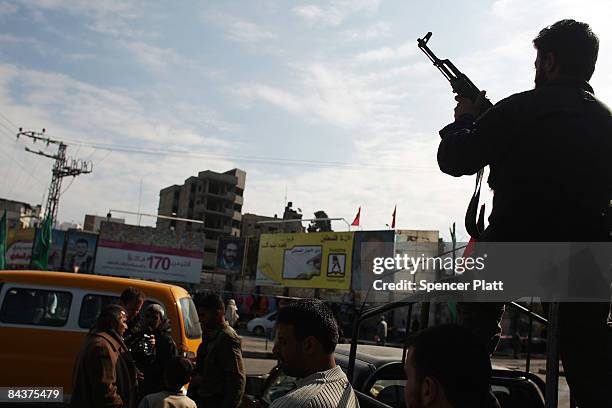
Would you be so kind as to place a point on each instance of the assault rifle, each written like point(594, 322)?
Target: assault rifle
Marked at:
point(462, 86)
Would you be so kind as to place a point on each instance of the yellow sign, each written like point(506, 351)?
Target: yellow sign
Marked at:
point(314, 260)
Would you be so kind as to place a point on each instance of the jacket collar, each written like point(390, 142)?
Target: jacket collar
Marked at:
point(115, 341)
point(571, 82)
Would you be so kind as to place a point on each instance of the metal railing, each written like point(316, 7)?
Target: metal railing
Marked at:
point(552, 342)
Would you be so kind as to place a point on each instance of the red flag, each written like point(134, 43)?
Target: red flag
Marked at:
point(393, 220)
point(357, 217)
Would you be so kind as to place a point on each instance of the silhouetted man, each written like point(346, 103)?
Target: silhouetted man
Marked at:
point(132, 300)
point(220, 378)
point(549, 153)
point(104, 373)
point(446, 367)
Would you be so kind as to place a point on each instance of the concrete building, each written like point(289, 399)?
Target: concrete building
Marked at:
point(20, 215)
point(92, 222)
point(215, 198)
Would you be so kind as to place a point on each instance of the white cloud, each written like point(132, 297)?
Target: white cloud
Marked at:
point(92, 112)
point(154, 57)
point(245, 31)
point(323, 92)
point(8, 8)
point(74, 110)
point(12, 39)
point(374, 31)
point(112, 17)
point(336, 12)
point(385, 54)
point(237, 29)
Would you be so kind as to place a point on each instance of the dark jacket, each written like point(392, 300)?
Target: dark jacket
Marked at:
point(220, 368)
point(550, 157)
point(153, 368)
point(104, 374)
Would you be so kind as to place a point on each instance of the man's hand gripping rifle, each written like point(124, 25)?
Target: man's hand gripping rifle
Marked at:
point(461, 84)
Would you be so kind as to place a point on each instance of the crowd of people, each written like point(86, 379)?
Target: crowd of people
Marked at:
point(130, 360)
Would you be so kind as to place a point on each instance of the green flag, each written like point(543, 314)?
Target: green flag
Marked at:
point(3, 238)
point(42, 245)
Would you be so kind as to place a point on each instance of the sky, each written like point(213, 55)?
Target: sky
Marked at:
point(327, 104)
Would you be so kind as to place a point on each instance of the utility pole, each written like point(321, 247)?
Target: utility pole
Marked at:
point(63, 167)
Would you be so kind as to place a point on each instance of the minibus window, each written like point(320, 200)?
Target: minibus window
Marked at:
point(35, 307)
point(190, 319)
point(91, 307)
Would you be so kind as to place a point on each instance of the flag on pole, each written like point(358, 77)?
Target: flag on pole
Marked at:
point(42, 245)
point(3, 238)
point(355, 222)
point(393, 220)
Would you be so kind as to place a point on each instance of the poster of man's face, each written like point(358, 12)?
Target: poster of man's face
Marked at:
point(368, 245)
point(80, 252)
point(230, 255)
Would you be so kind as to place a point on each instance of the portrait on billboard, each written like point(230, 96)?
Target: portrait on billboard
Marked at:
point(369, 245)
point(230, 255)
point(302, 262)
point(80, 250)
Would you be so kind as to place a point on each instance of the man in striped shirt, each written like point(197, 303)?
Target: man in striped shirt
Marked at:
point(306, 337)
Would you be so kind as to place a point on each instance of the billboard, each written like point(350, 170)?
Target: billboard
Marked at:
point(313, 260)
point(414, 244)
point(19, 248)
point(149, 253)
point(230, 255)
point(368, 245)
point(80, 251)
point(56, 255)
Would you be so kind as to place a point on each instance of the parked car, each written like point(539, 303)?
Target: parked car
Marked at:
point(45, 316)
point(262, 325)
point(379, 381)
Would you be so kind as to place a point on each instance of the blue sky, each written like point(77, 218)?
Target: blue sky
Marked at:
point(330, 101)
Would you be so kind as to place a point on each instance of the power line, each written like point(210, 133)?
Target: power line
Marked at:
point(266, 160)
point(11, 132)
point(9, 121)
point(24, 169)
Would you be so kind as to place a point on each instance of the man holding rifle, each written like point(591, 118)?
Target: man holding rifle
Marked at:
point(550, 156)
